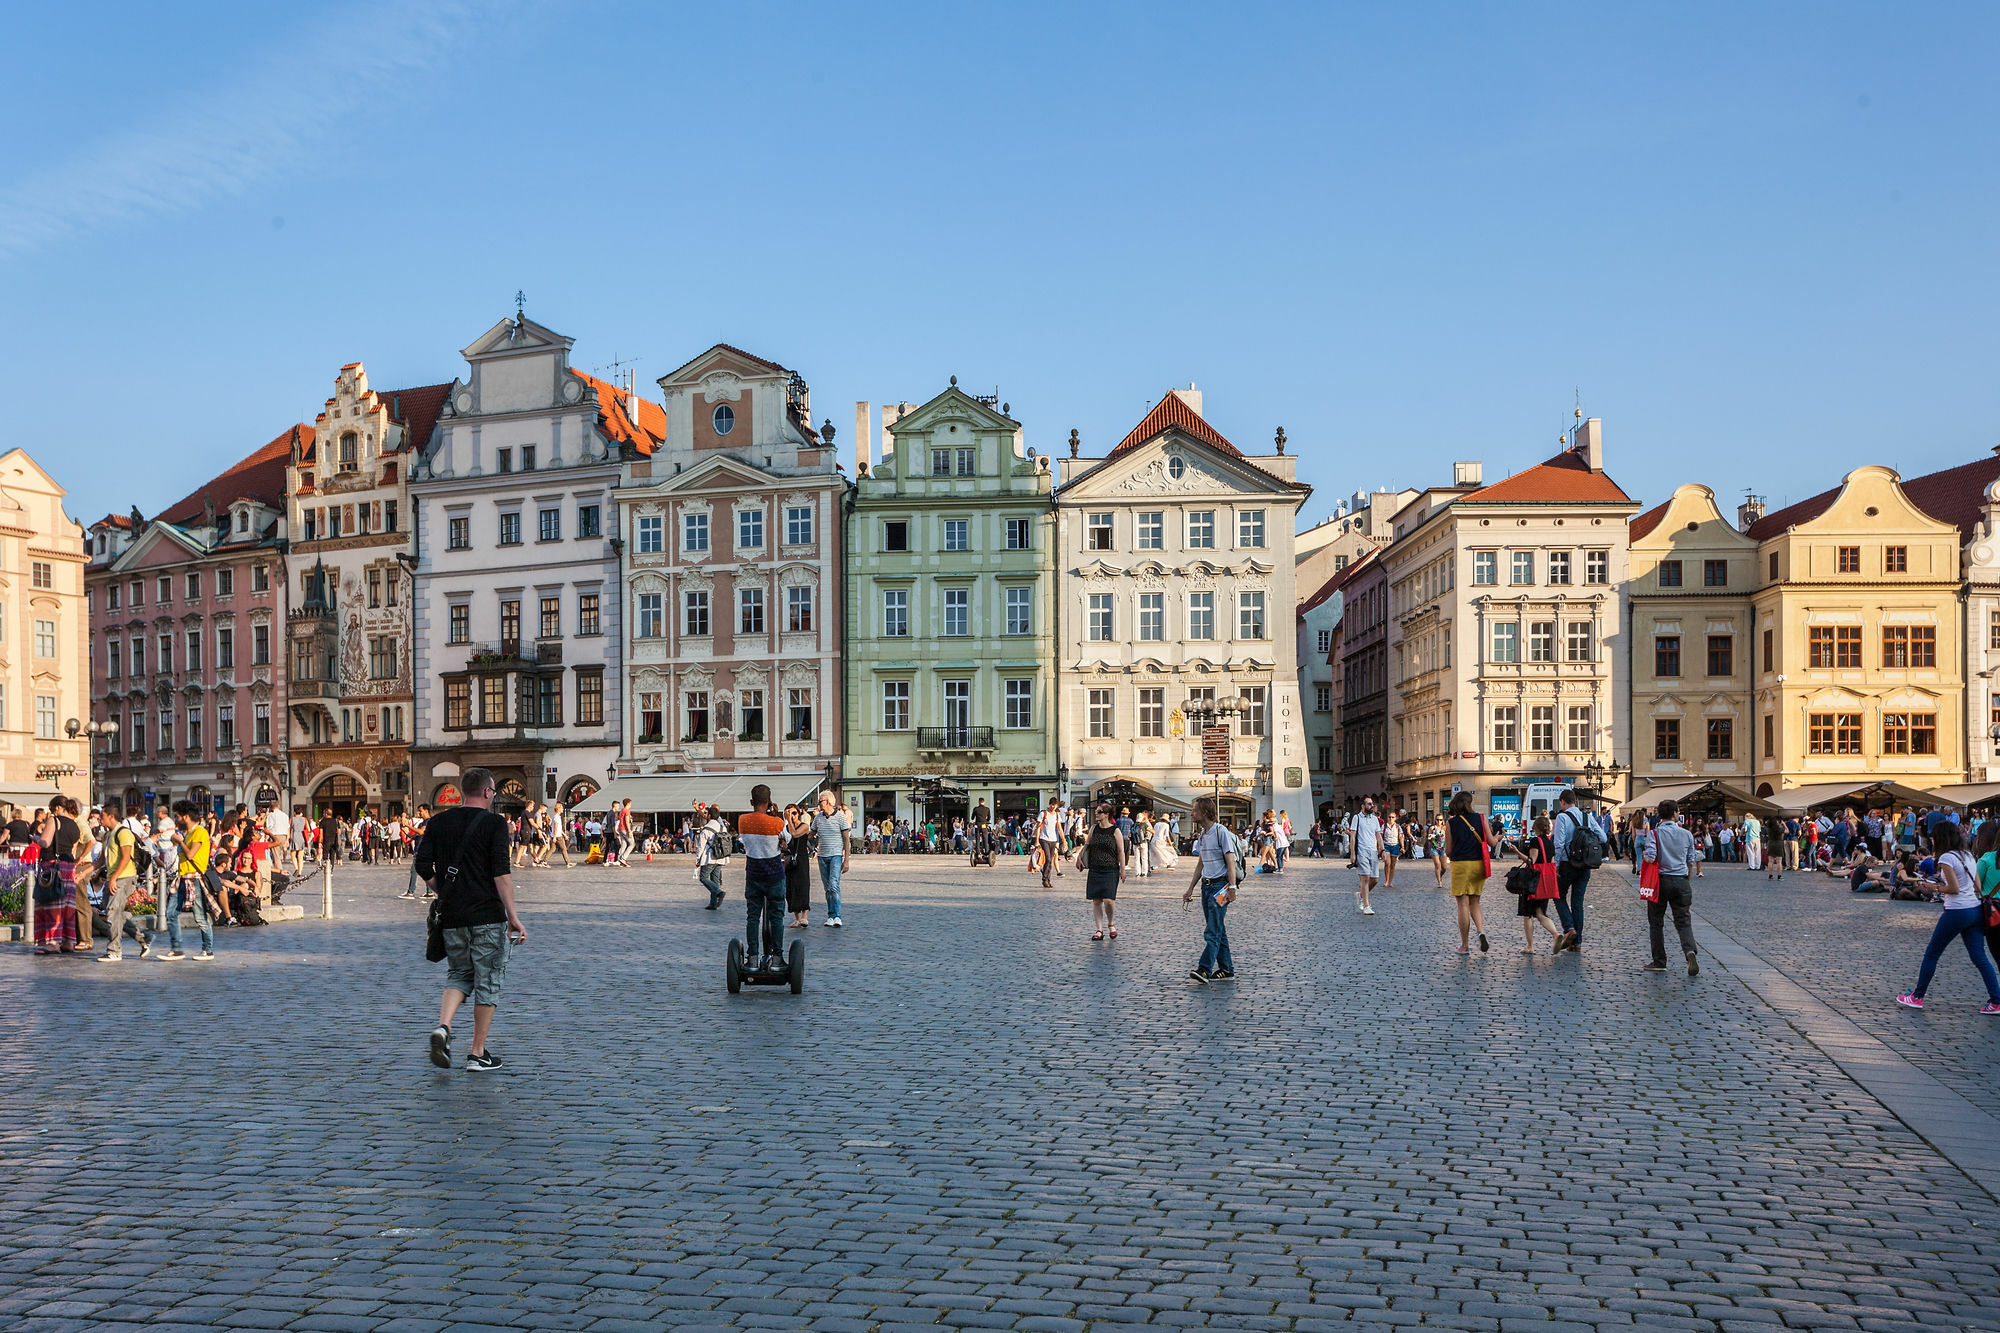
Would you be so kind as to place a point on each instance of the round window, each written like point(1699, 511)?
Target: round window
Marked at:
point(725, 419)
point(1176, 466)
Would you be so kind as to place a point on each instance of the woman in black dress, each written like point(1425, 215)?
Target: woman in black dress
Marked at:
point(1537, 851)
point(1102, 859)
point(798, 866)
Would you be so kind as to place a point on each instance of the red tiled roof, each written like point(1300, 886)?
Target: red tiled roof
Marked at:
point(617, 424)
point(1173, 412)
point(260, 477)
point(1952, 496)
point(1566, 478)
point(1646, 522)
point(114, 520)
point(418, 409)
point(1338, 581)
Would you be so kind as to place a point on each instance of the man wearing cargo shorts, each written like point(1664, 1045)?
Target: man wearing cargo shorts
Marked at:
point(464, 860)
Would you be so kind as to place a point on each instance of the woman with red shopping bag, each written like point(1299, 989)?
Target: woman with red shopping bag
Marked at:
point(1538, 854)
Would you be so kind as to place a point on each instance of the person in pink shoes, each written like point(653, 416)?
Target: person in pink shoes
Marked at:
point(1963, 917)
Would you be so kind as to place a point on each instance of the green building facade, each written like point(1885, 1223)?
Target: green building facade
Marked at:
point(950, 645)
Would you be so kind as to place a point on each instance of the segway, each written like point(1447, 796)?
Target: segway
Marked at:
point(740, 972)
point(982, 846)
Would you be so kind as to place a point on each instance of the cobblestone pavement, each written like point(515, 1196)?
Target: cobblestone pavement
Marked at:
point(975, 1117)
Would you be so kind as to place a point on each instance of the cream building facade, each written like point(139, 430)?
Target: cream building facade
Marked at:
point(44, 640)
point(1177, 588)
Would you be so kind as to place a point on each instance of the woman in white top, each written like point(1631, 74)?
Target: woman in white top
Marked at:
point(1963, 915)
point(1161, 848)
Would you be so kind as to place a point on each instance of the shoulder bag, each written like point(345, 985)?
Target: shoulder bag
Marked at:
point(434, 923)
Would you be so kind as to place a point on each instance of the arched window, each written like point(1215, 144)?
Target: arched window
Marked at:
point(350, 452)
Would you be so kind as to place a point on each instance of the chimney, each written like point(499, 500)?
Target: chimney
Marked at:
point(891, 414)
point(864, 441)
point(1590, 443)
point(1190, 395)
point(631, 396)
point(1749, 511)
point(1467, 474)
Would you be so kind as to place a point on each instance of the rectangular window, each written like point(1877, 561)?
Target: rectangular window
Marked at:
point(799, 708)
point(957, 612)
point(1152, 713)
point(225, 582)
point(749, 610)
point(896, 535)
point(799, 525)
point(1576, 641)
point(1542, 641)
point(194, 650)
point(1774, 566)
point(1715, 573)
point(505, 459)
point(694, 617)
point(1018, 530)
point(1150, 531)
point(193, 584)
point(1558, 566)
point(1152, 617)
point(1250, 527)
point(510, 529)
point(44, 576)
point(1325, 641)
point(1819, 647)
point(492, 701)
point(45, 642)
point(45, 719)
point(1770, 736)
point(1099, 623)
point(895, 614)
point(1849, 560)
point(194, 729)
point(1523, 568)
point(649, 622)
point(940, 462)
point(1909, 646)
point(111, 603)
point(1506, 647)
point(1249, 615)
point(138, 592)
point(166, 589)
point(1020, 700)
point(458, 619)
point(1847, 646)
point(1485, 568)
point(260, 724)
point(1670, 573)
point(1833, 733)
point(695, 727)
point(1201, 529)
point(548, 701)
point(1721, 654)
point(1909, 733)
point(586, 613)
point(510, 625)
point(1322, 698)
point(381, 657)
point(1505, 740)
point(1767, 650)
point(374, 589)
point(799, 610)
point(548, 525)
point(1666, 738)
point(895, 705)
point(1100, 714)
point(750, 530)
point(750, 716)
point(1721, 738)
point(1667, 655)
point(1201, 615)
point(956, 534)
point(590, 698)
point(1542, 729)
point(458, 533)
point(548, 624)
point(1254, 719)
point(166, 646)
point(112, 659)
point(1020, 610)
point(652, 719)
point(694, 532)
point(588, 524)
point(968, 462)
point(652, 534)
point(1992, 628)
point(1579, 727)
point(138, 657)
point(1098, 532)
point(1895, 559)
point(260, 645)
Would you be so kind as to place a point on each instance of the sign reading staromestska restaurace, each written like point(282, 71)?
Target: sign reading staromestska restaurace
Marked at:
point(1215, 749)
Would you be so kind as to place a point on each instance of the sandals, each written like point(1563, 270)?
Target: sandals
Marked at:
point(1097, 935)
point(1114, 932)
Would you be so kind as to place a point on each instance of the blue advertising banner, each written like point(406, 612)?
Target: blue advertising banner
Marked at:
point(1506, 809)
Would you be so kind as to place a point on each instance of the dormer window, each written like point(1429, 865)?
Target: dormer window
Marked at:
point(350, 452)
point(243, 520)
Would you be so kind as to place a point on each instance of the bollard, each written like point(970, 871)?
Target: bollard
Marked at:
point(326, 889)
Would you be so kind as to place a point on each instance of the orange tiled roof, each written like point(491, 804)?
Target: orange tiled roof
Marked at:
point(1953, 496)
point(260, 477)
point(1174, 413)
point(645, 434)
point(1564, 479)
point(1338, 581)
point(1646, 522)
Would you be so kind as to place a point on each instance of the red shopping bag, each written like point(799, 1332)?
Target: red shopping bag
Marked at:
point(1649, 881)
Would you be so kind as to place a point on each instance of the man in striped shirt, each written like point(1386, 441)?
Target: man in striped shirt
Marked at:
point(763, 838)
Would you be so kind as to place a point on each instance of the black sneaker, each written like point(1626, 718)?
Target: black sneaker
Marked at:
point(441, 1046)
point(1482, 942)
point(1200, 976)
point(1222, 974)
point(1694, 968)
point(1654, 967)
point(482, 1064)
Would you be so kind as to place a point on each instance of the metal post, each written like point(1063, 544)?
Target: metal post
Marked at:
point(28, 910)
point(326, 888)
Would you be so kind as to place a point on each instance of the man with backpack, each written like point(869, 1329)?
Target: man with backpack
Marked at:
point(711, 854)
point(465, 859)
point(1579, 849)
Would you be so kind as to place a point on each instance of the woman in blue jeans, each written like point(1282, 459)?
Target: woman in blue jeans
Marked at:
point(1963, 916)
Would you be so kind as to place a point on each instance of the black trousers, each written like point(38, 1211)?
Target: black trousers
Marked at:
point(1675, 894)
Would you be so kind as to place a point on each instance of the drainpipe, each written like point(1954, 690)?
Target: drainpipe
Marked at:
point(1055, 635)
point(844, 500)
point(1965, 675)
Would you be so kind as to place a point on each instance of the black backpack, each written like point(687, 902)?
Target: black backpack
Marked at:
point(1586, 844)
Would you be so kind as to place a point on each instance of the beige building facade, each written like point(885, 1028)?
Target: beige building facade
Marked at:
point(44, 636)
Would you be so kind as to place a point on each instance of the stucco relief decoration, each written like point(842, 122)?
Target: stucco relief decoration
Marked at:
point(751, 677)
point(753, 576)
point(800, 500)
point(797, 576)
point(800, 675)
point(697, 583)
point(651, 679)
point(646, 581)
point(721, 386)
point(1157, 476)
point(697, 678)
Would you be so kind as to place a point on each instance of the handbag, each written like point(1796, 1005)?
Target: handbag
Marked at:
point(1522, 879)
point(48, 884)
point(1545, 886)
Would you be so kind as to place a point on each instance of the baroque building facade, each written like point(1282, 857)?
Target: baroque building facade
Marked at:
point(732, 622)
point(950, 603)
point(1178, 592)
point(348, 652)
point(517, 617)
point(45, 677)
point(188, 626)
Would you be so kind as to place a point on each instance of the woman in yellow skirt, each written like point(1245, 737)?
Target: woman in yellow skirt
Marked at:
point(1468, 835)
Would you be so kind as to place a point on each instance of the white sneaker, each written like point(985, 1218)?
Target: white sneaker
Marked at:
point(1367, 911)
point(833, 921)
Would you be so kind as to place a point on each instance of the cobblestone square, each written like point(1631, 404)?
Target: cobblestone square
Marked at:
point(976, 1117)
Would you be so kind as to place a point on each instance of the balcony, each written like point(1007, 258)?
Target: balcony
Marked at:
point(954, 738)
point(512, 655)
point(299, 689)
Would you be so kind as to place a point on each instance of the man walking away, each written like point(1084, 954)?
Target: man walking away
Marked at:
point(764, 839)
point(833, 828)
point(1218, 867)
point(1677, 852)
point(464, 860)
point(711, 854)
point(121, 879)
point(1579, 849)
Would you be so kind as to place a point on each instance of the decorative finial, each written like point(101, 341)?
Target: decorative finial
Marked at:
point(1281, 439)
point(520, 304)
point(1075, 445)
point(826, 432)
point(954, 381)
point(1006, 409)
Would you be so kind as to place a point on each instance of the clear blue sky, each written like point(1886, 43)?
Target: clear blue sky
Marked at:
point(1759, 238)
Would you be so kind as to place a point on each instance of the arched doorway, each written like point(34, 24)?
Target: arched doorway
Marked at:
point(340, 795)
point(511, 796)
point(577, 789)
point(1233, 810)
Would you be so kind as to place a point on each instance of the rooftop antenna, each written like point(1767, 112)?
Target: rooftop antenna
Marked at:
point(617, 364)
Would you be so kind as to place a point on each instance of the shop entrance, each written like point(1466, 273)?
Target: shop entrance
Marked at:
point(338, 795)
point(1233, 810)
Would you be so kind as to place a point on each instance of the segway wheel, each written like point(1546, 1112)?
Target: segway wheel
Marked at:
point(798, 967)
point(733, 969)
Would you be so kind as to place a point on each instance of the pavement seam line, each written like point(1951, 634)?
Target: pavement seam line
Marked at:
point(1956, 1127)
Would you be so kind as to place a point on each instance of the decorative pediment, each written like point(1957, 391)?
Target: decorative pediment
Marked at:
point(751, 676)
point(697, 678)
point(697, 581)
point(954, 405)
point(516, 335)
point(1097, 569)
point(800, 675)
point(1180, 466)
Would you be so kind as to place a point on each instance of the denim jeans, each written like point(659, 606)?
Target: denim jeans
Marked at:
point(1966, 922)
point(190, 898)
point(764, 900)
point(1571, 881)
point(1215, 930)
point(711, 879)
point(829, 877)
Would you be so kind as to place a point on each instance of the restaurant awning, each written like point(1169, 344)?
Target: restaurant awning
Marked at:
point(1798, 800)
point(1699, 793)
point(1967, 794)
point(1121, 781)
point(31, 796)
point(652, 793)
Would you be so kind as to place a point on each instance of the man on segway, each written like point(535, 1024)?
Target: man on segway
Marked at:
point(982, 833)
point(763, 837)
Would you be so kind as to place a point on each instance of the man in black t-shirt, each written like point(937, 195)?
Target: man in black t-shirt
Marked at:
point(464, 857)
